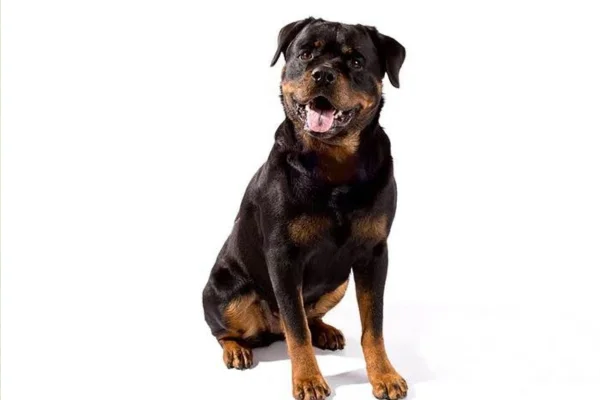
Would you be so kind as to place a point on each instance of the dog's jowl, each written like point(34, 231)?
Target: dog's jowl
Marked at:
point(321, 206)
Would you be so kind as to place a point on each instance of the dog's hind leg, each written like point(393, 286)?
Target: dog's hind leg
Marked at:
point(240, 324)
point(325, 336)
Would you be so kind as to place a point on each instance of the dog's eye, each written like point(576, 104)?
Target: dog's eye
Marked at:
point(306, 55)
point(356, 63)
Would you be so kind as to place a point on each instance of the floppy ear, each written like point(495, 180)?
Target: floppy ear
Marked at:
point(287, 34)
point(391, 54)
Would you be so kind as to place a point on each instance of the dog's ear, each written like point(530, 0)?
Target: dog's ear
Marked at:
point(391, 54)
point(287, 34)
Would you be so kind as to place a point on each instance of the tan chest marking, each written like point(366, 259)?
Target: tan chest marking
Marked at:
point(306, 228)
point(372, 227)
point(341, 151)
point(336, 162)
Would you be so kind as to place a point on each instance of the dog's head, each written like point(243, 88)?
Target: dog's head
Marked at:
point(331, 83)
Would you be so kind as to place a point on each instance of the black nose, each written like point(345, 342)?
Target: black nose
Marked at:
point(324, 75)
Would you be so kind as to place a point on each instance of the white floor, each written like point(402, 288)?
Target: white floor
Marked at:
point(155, 345)
point(459, 351)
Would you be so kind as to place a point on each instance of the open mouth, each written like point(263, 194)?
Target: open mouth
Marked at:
point(320, 116)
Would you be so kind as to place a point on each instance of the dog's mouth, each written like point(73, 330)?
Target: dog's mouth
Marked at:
point(320, 116)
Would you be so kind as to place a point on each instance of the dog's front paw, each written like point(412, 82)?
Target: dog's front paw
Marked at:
point(389, 386)
point(311, 388)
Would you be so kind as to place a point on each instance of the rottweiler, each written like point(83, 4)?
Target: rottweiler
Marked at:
point(321, 206)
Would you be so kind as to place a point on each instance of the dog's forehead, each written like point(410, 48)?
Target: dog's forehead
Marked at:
point(330, 33)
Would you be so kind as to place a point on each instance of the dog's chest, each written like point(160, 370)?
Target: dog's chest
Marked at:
point(340, 219)
point(342, 211)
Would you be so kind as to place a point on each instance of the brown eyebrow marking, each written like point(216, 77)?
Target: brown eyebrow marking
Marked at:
point(347, 49)
point(319, 43)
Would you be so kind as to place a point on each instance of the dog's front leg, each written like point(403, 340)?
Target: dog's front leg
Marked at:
point(286, 278)
point(369, 277)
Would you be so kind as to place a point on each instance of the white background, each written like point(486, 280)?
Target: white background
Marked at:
point(131, 128)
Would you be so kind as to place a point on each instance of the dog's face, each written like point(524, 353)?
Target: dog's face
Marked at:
point(332, 80)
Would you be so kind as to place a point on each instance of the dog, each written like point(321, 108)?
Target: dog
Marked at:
point(321, 206)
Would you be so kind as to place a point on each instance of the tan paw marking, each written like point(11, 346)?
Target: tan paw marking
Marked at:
point(389, 386)
point(326, 337)
point(311, 388)
point(235, 355)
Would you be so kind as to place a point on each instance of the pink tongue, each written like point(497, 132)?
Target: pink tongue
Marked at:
point(319, 120)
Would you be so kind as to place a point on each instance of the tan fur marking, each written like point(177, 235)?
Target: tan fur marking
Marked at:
point(325, 336)
point(346, 49)
point(288, 87)
point(380, 371)
point(320, 43)
point(306, 374)
point(302, 355)
point(336, 162)
point(370, 227)
point(349, 98)
point(373, 347)
point(306, 228)
point(366, 102)
point(339, 152)
point(235, 355)
point(246, 317)
point(327, 302)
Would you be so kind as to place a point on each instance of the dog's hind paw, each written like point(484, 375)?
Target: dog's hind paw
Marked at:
point(235, 355)
point(325, 336)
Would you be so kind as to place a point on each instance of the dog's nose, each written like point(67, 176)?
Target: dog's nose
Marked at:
point(324, 75)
